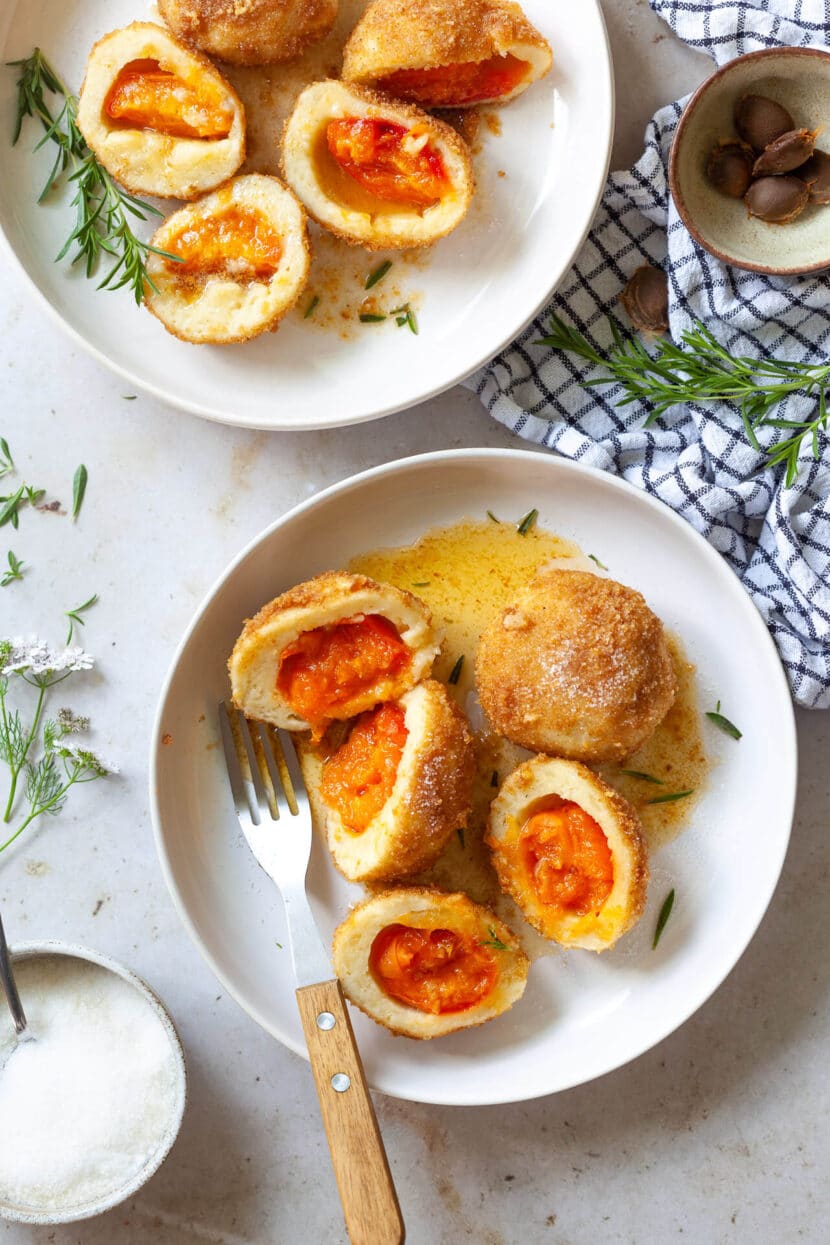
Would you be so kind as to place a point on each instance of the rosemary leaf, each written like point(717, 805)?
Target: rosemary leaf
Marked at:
point(728, 728)
point(460, 833)
point(494, 778)
point(377, 274)
point(638, 773)
point(369, 317)
point(672, 795)
point(79, 489)
point(665, 913)
point(594, 558)
point(455, 673)
point(490, 515)
point(309, 311)
point(527, 522)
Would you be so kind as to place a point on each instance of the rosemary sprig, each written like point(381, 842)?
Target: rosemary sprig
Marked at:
point(14, 572)
point(10, 505)
point(700, 369)
point(74, 616)
point(104, 212)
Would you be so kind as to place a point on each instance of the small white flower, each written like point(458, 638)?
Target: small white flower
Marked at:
point(34, 656)
point(83, 757)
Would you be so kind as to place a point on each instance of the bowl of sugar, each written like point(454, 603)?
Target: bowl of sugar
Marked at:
point(92, 1103)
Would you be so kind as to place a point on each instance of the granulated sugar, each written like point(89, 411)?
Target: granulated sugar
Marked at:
point(86, 1106)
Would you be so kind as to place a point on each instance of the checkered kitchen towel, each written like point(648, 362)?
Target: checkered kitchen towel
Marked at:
point(696, 459)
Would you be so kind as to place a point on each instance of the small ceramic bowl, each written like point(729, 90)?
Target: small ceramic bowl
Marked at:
point(176, 1105)
point(798, 78)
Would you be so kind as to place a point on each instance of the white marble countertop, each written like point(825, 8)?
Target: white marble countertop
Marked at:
point(720, 1134)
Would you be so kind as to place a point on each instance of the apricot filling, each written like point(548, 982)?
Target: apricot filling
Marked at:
point(448, 86)
point(358, 778)
point(236, 242)
point(433, 970)
point(146, 97)
point(567, 858)
point(393, 162)
point(324, 670)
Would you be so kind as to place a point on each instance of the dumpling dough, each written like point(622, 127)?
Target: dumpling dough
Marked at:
point(159, 116)
point(250, 32)
point(245, 262)
point(424, 963)
point(398, 788)
point(446, 53)
point(577, 666)
point(373, 170)
point(329, 649)
point(569, 851)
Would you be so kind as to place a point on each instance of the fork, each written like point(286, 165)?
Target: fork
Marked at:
point(282, 846)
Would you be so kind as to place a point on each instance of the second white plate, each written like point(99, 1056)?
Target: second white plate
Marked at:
point(582, 1014)
point(538, 186)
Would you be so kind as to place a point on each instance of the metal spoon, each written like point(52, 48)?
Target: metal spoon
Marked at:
point(24, 1033)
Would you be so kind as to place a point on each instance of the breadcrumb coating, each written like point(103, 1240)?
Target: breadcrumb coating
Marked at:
point(250, 32)
point(578, 666)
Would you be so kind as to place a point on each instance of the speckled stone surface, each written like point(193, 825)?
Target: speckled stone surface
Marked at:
point(720, 1134)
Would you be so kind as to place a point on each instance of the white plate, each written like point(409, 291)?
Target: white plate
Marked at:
point(477, 290)
point(582, 1014)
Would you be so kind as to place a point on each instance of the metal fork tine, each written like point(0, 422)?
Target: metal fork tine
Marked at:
point(240, 796)
point(292, 764)
point(256, 777)
point(280, 798)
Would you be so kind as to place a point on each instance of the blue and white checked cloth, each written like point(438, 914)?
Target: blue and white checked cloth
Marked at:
point(696, 459)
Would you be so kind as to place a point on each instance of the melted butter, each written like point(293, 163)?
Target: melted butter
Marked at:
point(467, 574)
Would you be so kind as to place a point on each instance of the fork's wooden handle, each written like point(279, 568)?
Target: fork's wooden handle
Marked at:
point(370, 1204)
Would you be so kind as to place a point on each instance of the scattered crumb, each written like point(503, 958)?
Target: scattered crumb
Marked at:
point(99, 905)
point(493, 122)
point(551, 1221)
point(36, 868)
point(502, 173)
point(166, 740)
point(51, 507)
point(201, 718)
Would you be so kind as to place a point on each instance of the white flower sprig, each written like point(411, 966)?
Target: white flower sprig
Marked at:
point(59, 765)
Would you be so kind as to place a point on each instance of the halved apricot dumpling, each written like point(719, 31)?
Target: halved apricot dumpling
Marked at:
point(569, 851)
point(159, 116)
point(234, 262)
point(373, 170)
point(399, 786)
point(330, 649)
point(425, 963)
point(452, 55)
